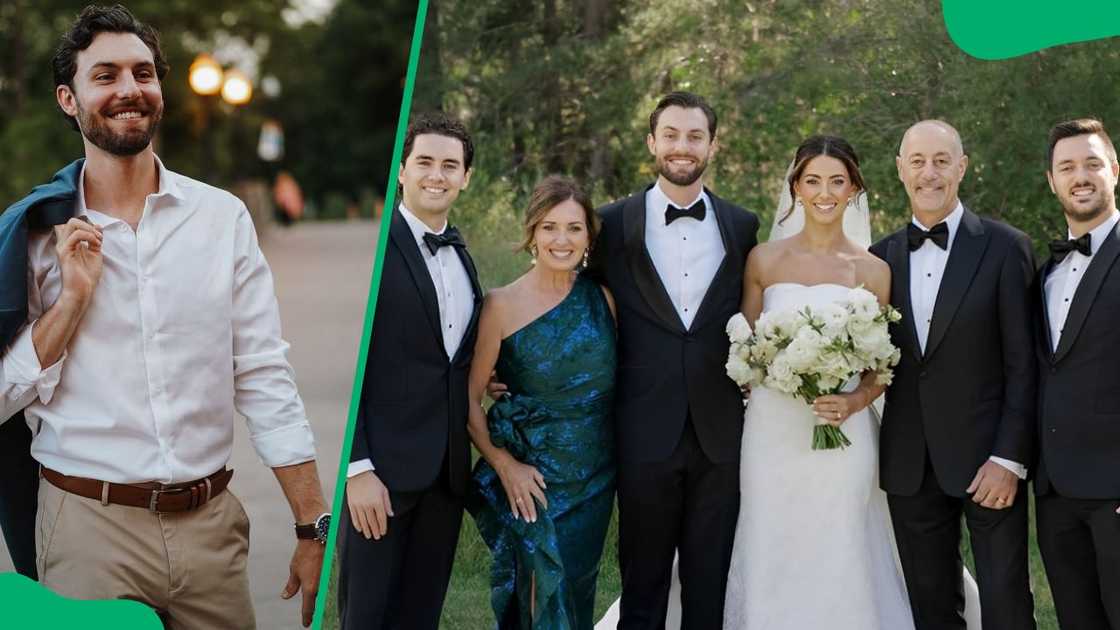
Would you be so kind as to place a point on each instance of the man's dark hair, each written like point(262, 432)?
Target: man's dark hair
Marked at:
point(1078, 127)
point(439, 124)
point(92, 21)
point(687, 100)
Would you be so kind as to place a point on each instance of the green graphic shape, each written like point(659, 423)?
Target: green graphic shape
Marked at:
point(28, 604)
point(371, 308)
point(1000, 29)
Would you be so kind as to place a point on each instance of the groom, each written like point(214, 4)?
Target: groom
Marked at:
point(1078, 477)
point(410, 462)
point(959, 416)
point(673, 256)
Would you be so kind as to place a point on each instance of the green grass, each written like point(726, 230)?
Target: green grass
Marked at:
point(467, 606)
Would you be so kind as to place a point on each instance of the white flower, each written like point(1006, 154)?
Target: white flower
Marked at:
point(738, 329)
point(833, 318)
point(738, 370)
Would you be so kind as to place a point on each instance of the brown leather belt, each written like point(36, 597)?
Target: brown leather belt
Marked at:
point(178, 497)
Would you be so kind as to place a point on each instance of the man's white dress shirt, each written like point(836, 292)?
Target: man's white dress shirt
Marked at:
point(686, 253)
point(927, 268)
point(181, 333)
point(1064, 278)
point(454, 293)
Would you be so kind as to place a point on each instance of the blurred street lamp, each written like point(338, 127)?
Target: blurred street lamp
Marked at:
point(205, 75)
point(236, 90)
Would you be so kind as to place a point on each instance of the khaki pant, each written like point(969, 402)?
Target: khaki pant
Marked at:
point(189, 566)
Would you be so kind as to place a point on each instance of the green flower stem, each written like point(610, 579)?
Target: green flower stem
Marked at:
point(828, 437)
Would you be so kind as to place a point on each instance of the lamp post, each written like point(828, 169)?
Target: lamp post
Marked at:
point(208, 80)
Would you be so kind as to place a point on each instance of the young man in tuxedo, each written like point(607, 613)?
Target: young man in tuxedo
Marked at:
point(410, 461)
point(957, 424)
point(1077, 479)
point(673, 257)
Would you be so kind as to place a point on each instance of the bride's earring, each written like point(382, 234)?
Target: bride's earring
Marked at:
point(585, 254)
point(851, 202)
point(800, 206)
point(533, 253)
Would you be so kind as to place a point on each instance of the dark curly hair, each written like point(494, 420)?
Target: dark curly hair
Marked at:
point(684, 100)
point(92, 21)
point(439, 124)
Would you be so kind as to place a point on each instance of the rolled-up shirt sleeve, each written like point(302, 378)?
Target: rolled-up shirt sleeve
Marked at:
point(22, 379)
point(264, 382)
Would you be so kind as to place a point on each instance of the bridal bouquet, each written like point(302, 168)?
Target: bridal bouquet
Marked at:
point(814, 351)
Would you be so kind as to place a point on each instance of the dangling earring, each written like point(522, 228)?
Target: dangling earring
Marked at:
point(797, 204)
point(533, 253)
point(585, 253)
point(851, 202)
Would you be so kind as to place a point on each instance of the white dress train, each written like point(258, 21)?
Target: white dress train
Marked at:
point(814, 547)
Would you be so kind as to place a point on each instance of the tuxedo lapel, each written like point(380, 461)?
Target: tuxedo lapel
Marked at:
point(410, 251)
point(641, 265)
point(1087, 291)
point(1043, 332)
point(725, 233)
point(898, 257)
point(964, 259)
point(468, 264)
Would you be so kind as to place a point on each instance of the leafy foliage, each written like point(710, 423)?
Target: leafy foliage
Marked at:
point(567, 86)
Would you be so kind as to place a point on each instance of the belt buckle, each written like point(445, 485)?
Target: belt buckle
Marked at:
point(155, 497)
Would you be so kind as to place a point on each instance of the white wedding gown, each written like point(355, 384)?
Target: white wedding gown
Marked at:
point(814, 546)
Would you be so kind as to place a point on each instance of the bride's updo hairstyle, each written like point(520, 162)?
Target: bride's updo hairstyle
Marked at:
point(549, 193)
point(832, 146)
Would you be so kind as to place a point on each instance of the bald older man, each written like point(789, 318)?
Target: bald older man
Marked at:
point(959, 417)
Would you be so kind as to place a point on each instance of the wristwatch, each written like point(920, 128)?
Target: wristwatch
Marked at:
point(316, 531)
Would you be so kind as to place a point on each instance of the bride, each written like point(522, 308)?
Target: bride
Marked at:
point(814, 546)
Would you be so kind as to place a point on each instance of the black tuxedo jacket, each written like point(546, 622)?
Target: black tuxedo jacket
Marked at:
point(413, 407)
point(972, 393)
point(1079, 384)
point(665, 372)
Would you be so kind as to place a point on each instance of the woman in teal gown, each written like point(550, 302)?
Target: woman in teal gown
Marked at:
point(543, 490)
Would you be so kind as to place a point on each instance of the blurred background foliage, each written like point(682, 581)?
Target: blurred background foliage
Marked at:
point(567, 86)
point(339, 66)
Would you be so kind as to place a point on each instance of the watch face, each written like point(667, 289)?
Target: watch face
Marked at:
point(321, 527)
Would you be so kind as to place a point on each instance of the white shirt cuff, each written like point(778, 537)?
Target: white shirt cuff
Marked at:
point(23, 363)
point(1015, 467)
point(286, 446)
point(356, 468)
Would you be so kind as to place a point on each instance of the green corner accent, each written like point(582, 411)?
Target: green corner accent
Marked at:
point(28, 604)
point(1000, 29)
point(371, 307)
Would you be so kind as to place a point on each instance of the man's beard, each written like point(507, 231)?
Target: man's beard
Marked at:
point(1099, 207)
point(95, 128)
point(681, 179)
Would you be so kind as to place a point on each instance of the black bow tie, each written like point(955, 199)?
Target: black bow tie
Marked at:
point(939, 235)
point(697, 212)
point(450, 236)
point(1060, 249)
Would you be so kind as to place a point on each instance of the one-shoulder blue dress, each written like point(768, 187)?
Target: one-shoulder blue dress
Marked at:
point(560, 372)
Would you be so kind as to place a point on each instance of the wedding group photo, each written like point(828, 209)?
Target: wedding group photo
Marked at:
point(778, 315)
point(558, 315)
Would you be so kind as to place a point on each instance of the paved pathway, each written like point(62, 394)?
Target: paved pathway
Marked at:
point(322, 273)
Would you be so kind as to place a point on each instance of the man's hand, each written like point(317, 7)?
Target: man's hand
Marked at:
point(994, 486)
point(494, 389)
point(307, 562)
point(79, 256)
point(300, 483)
point(369, 504)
